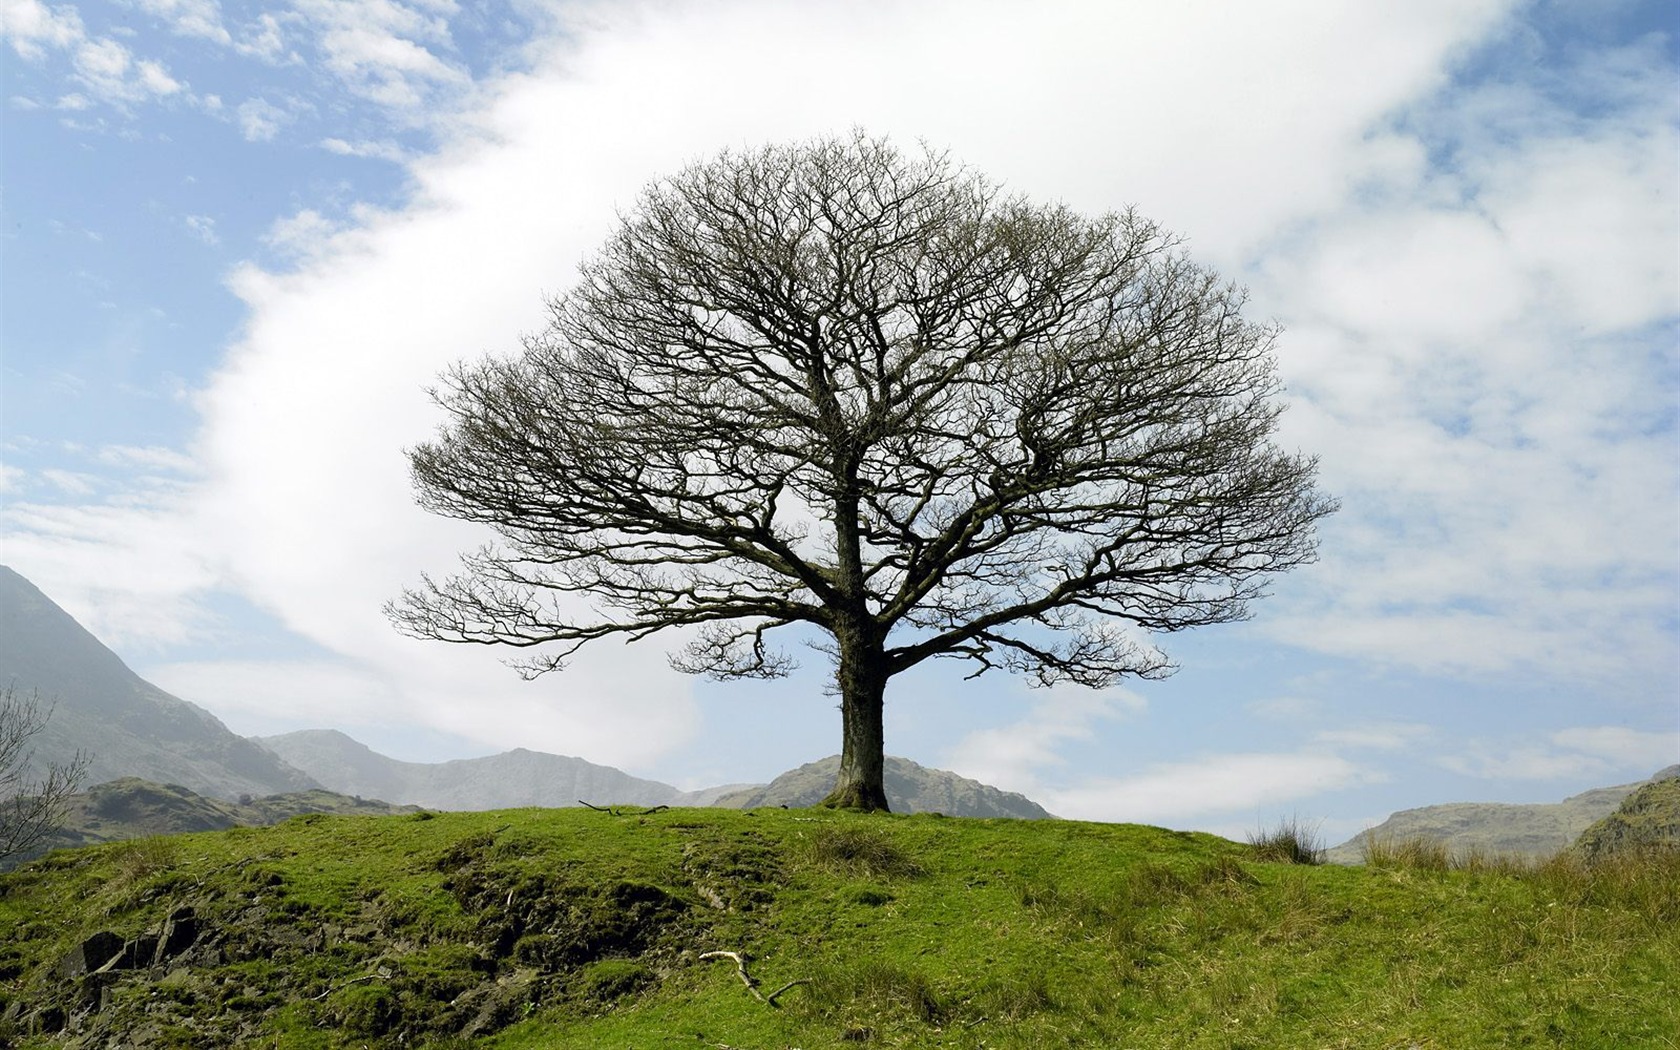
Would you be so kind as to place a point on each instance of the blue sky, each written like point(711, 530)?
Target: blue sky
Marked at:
point(239, 241)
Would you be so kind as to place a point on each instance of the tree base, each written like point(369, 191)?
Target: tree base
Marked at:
point(857, 798)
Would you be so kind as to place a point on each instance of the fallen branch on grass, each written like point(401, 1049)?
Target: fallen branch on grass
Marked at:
point(618, 812)
point(747, 979)
point(740, 970)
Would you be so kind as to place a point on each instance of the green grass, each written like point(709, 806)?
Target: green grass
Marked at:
point(572, 928)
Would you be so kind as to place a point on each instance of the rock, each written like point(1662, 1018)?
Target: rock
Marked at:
point(179, 932)
point(136, 954)
point(92, 954)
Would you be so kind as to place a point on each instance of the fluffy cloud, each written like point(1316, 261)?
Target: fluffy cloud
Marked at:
point(193, 18)
point(1477, 350)
point(103, 67)
point(260, 120)
point(304, 423)
point(1016, 756)
point(33, 27)
point(382, 51)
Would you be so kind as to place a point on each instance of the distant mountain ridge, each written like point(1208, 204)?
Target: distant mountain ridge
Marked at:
point(130, 727)
point(511, 779)
point(532, 778)
point(911, 788)
point(1535, 829)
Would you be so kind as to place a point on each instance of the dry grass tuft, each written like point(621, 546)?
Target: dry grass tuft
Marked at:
point(1290, 842)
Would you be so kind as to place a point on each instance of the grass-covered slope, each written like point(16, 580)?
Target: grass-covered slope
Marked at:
point(131, 808)
point(1648, 819)
point(578, 928)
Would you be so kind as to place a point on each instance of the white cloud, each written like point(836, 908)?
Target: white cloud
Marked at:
point(1577, 752)
point(302, 234)
point(1016, 756)
point(1210, 788)
point(256, 697)
point(147, 457)
point(105, 68)
point(32, 27)
point(1377, 736)
point(1476, 352)
point(382, 50)
point(109, 73)
point(71, 482)
point(192, 18)
point(260, 120)
point(262, 39)
point(155, 80)
point(384, 149)
point(132, 569)
point(203, 227)
point(1285, 708)
point(354, 337)
point(1622, 745)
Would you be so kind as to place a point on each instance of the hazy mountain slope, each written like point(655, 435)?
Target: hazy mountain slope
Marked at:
point(1537, 829)
point(128, 725)
point(1649, 818)
point(911, 788)
point(513, 778)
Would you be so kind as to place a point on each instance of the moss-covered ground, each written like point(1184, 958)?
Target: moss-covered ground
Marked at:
point(580, 928)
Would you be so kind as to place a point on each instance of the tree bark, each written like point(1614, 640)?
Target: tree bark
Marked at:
point(862, 679)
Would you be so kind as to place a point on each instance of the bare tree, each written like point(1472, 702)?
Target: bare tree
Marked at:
point(30, 809)
point(834, 387)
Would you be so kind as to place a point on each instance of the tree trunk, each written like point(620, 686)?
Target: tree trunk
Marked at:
point(862, 679)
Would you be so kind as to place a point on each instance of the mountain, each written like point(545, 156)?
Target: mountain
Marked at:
point(1535, 830)
point(508, 780)
point(133, 729)
point(1649, 818)
point(130, 727)
point(532, 778)
point(911, 788)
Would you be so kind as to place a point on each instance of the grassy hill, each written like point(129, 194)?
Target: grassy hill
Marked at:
point(1648, 819)
point(131, 808)
point(582, 928)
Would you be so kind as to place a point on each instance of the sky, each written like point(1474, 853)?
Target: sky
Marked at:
point(240, 242)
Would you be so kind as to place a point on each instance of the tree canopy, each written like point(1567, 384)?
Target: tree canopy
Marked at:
point(832, 386)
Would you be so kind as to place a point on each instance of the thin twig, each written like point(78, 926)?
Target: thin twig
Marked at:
point(381, 976)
